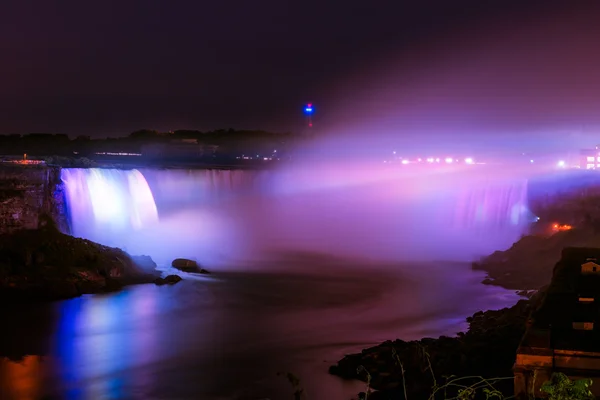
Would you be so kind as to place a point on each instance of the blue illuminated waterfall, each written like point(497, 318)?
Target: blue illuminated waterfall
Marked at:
point(103, 203)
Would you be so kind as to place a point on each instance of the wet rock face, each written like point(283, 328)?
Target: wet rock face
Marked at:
point(26, 192)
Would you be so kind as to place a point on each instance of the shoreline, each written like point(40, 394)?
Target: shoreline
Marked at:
point(41, 265)
point(487, 348)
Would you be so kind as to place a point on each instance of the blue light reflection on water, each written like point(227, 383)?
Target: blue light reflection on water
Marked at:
point(227, 337)
point(119, 336)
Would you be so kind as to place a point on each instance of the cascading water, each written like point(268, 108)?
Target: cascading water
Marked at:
point(104, 204)
point(494, 205)
point(220, 216)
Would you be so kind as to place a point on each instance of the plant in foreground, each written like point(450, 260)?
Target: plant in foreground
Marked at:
point(295, 382)
point(560, 387)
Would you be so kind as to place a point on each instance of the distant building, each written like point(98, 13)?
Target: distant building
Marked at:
point(590, 159)
point(564, 332)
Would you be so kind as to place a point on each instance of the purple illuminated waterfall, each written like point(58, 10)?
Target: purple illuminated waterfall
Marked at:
point(224, 217)
point(494, 205)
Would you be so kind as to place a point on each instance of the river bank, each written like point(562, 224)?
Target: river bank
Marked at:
point(44, 264)
point(226, 335)
point(488, 348)
point(528, 263)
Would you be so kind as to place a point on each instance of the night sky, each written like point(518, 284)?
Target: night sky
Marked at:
point(482, 68)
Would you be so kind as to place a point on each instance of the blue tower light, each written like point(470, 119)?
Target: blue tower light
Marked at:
point(308, 109)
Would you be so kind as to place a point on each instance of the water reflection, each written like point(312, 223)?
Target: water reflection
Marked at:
point(21, 379)
point(105, 336)
point(221, 338)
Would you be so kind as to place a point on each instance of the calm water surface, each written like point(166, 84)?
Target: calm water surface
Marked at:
point(226, 336)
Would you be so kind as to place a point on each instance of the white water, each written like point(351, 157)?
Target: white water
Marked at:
point(225, 217)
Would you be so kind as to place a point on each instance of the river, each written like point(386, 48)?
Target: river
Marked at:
point(307, 266)
point(226, 336)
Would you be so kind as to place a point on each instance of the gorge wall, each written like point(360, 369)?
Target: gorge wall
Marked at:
point(28, 192)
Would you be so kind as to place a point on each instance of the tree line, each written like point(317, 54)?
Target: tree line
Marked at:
point(228, 142)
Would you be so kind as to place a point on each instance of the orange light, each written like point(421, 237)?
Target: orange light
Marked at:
point(564, 227)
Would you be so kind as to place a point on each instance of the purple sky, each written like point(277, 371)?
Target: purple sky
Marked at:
point(423, 69)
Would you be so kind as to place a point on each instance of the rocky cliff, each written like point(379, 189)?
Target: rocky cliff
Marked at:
point(28, 192)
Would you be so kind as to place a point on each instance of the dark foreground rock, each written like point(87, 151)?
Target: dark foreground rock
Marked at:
point(528, 264)
point(487, 349)
point(167, 280)
point(185, 265)
point(45, 264)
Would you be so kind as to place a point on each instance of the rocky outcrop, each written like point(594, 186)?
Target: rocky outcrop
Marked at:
point(487, 349)
point(167, 280)
point(185, 265)
point(528, 264)
point(26, 193)
point(44, 264)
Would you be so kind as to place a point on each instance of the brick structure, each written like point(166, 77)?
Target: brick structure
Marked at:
point(563, 334)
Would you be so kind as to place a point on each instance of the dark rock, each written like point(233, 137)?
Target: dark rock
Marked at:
point(185, 265)
point(112, 285)
point(528, 263)
point(487, 349)
point(44, 264)
point(167, 280)
point(27, 197)
point(172, 279)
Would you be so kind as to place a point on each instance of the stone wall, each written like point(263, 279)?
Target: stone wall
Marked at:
point(26, 193)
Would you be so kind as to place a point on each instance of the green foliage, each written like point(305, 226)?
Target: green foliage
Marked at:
point(560, 387)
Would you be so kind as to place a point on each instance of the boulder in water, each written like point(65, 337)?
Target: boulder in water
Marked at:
point(168, 280)
point(186, 265)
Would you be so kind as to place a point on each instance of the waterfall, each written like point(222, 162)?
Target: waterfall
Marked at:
point(103, 203)
point(493, 205)
point(217, 216)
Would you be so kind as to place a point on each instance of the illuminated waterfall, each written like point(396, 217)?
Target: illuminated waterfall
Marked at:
point(494, 205)
point(218, 215)
point(105, 202)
